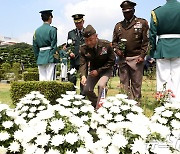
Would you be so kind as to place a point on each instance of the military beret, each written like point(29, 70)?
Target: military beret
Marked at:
point(127, 6)
point(88, 31)
point(78, 17)
point(46, 12)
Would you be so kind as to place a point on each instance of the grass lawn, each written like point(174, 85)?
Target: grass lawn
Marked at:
point(147, 102)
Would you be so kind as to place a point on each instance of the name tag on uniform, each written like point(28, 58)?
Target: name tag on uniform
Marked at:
point(138, 25)
point(104, 51)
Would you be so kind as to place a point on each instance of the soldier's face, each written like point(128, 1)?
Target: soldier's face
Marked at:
point(79, 25)
point(128, 15)
point(91, 41)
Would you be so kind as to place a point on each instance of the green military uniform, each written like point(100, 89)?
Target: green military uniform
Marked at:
point(135, 32)
point(45, 36)
point(45, 46)
point(78, 40)
point(165, 45)
point(165, 20)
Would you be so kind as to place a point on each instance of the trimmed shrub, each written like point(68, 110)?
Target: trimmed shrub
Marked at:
point(31, 76)
point(1, 74)
point(50, 89)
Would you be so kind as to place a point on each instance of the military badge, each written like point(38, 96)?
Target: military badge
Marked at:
point(138, 25)
point(104, 51)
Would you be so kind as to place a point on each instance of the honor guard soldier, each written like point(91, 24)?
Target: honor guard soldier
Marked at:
point(76, 35)
point(45, 46)
point(100, 56)
point(130, 43)
point(165, 41)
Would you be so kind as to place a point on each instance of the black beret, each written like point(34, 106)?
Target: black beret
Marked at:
point(78, 17)
point(88, 31)
point(127, 6)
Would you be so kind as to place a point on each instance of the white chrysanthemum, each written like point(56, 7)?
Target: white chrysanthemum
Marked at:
point(40, 108)
point(3, 107)
point(102, 111)
point(52, 151)
point(33, 109)
point(25, 108)
point(139, 146)
point(57, 140)
point(118, 118)
point(4, 136)
point(36, 102)
point(177, 115)
point(76, 121)
point(29, 148)
point(114, 109)
point(108, 116)
point(84, 118)
point(131, 101)
point(176, 133)
point(113, 149)
point(12, 113)
point(84, 109)
point(45, 114)
point(167, 113)
point(119, 140)
point(159, 109)
point(64, 102)
point(107, 104)
point(70, 92)
point(57, 125)
point(75, 110)
point(159, 128)
point(82, 150)
point(40, 151)
point(137, 109)
point(7, 124)
point(3, 150)
point(121, 96)
point(77, 103)
point(125, 107)
point(14, 147)
point(105, 140)
point(86, 101)
point(69, 152)
point(31, 115)
point(24, 115)
point(162, 120)
point(67, 97)
point(175, 124)
point(155, 117)
point(78, 96)
point(18, 135)
point(71, 138)
point(42, 139)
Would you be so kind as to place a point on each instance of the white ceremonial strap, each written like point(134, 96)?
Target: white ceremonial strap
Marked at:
point(45, 48)
point(169, 36)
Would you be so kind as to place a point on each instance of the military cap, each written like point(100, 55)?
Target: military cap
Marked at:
point(127, 6)
point(46, 12)
point(88, 31)
point(78, 17)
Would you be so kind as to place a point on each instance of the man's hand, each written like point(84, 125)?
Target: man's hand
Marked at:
point(139, 60)
point(83, 80)
point(93, 73)
point(72, 55)
point(120, 53)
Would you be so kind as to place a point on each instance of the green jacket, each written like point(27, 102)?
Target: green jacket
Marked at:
point(45, 36)
point(63, 56)
point(165, 20)
point(77, 41)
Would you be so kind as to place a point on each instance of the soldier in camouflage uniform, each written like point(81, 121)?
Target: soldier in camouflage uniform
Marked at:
point(100, 55)
point(132, 33)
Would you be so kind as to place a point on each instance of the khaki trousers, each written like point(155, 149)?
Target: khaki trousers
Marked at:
point(102, 80)
point(131, 75)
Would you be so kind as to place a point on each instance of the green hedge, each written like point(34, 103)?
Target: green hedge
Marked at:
point(31, 76)
point(50, 89)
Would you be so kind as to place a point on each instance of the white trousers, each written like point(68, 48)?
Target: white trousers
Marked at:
point(168, 70)
point(47, 72)
point(63, 70)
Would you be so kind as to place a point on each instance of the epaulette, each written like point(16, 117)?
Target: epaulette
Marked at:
point(157, 8)
point(119, 23)
point(153, 14)
point(139, 18)
point(54, 27)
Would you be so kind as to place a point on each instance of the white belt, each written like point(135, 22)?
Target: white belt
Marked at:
point(169, 36)
point(45, 48)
